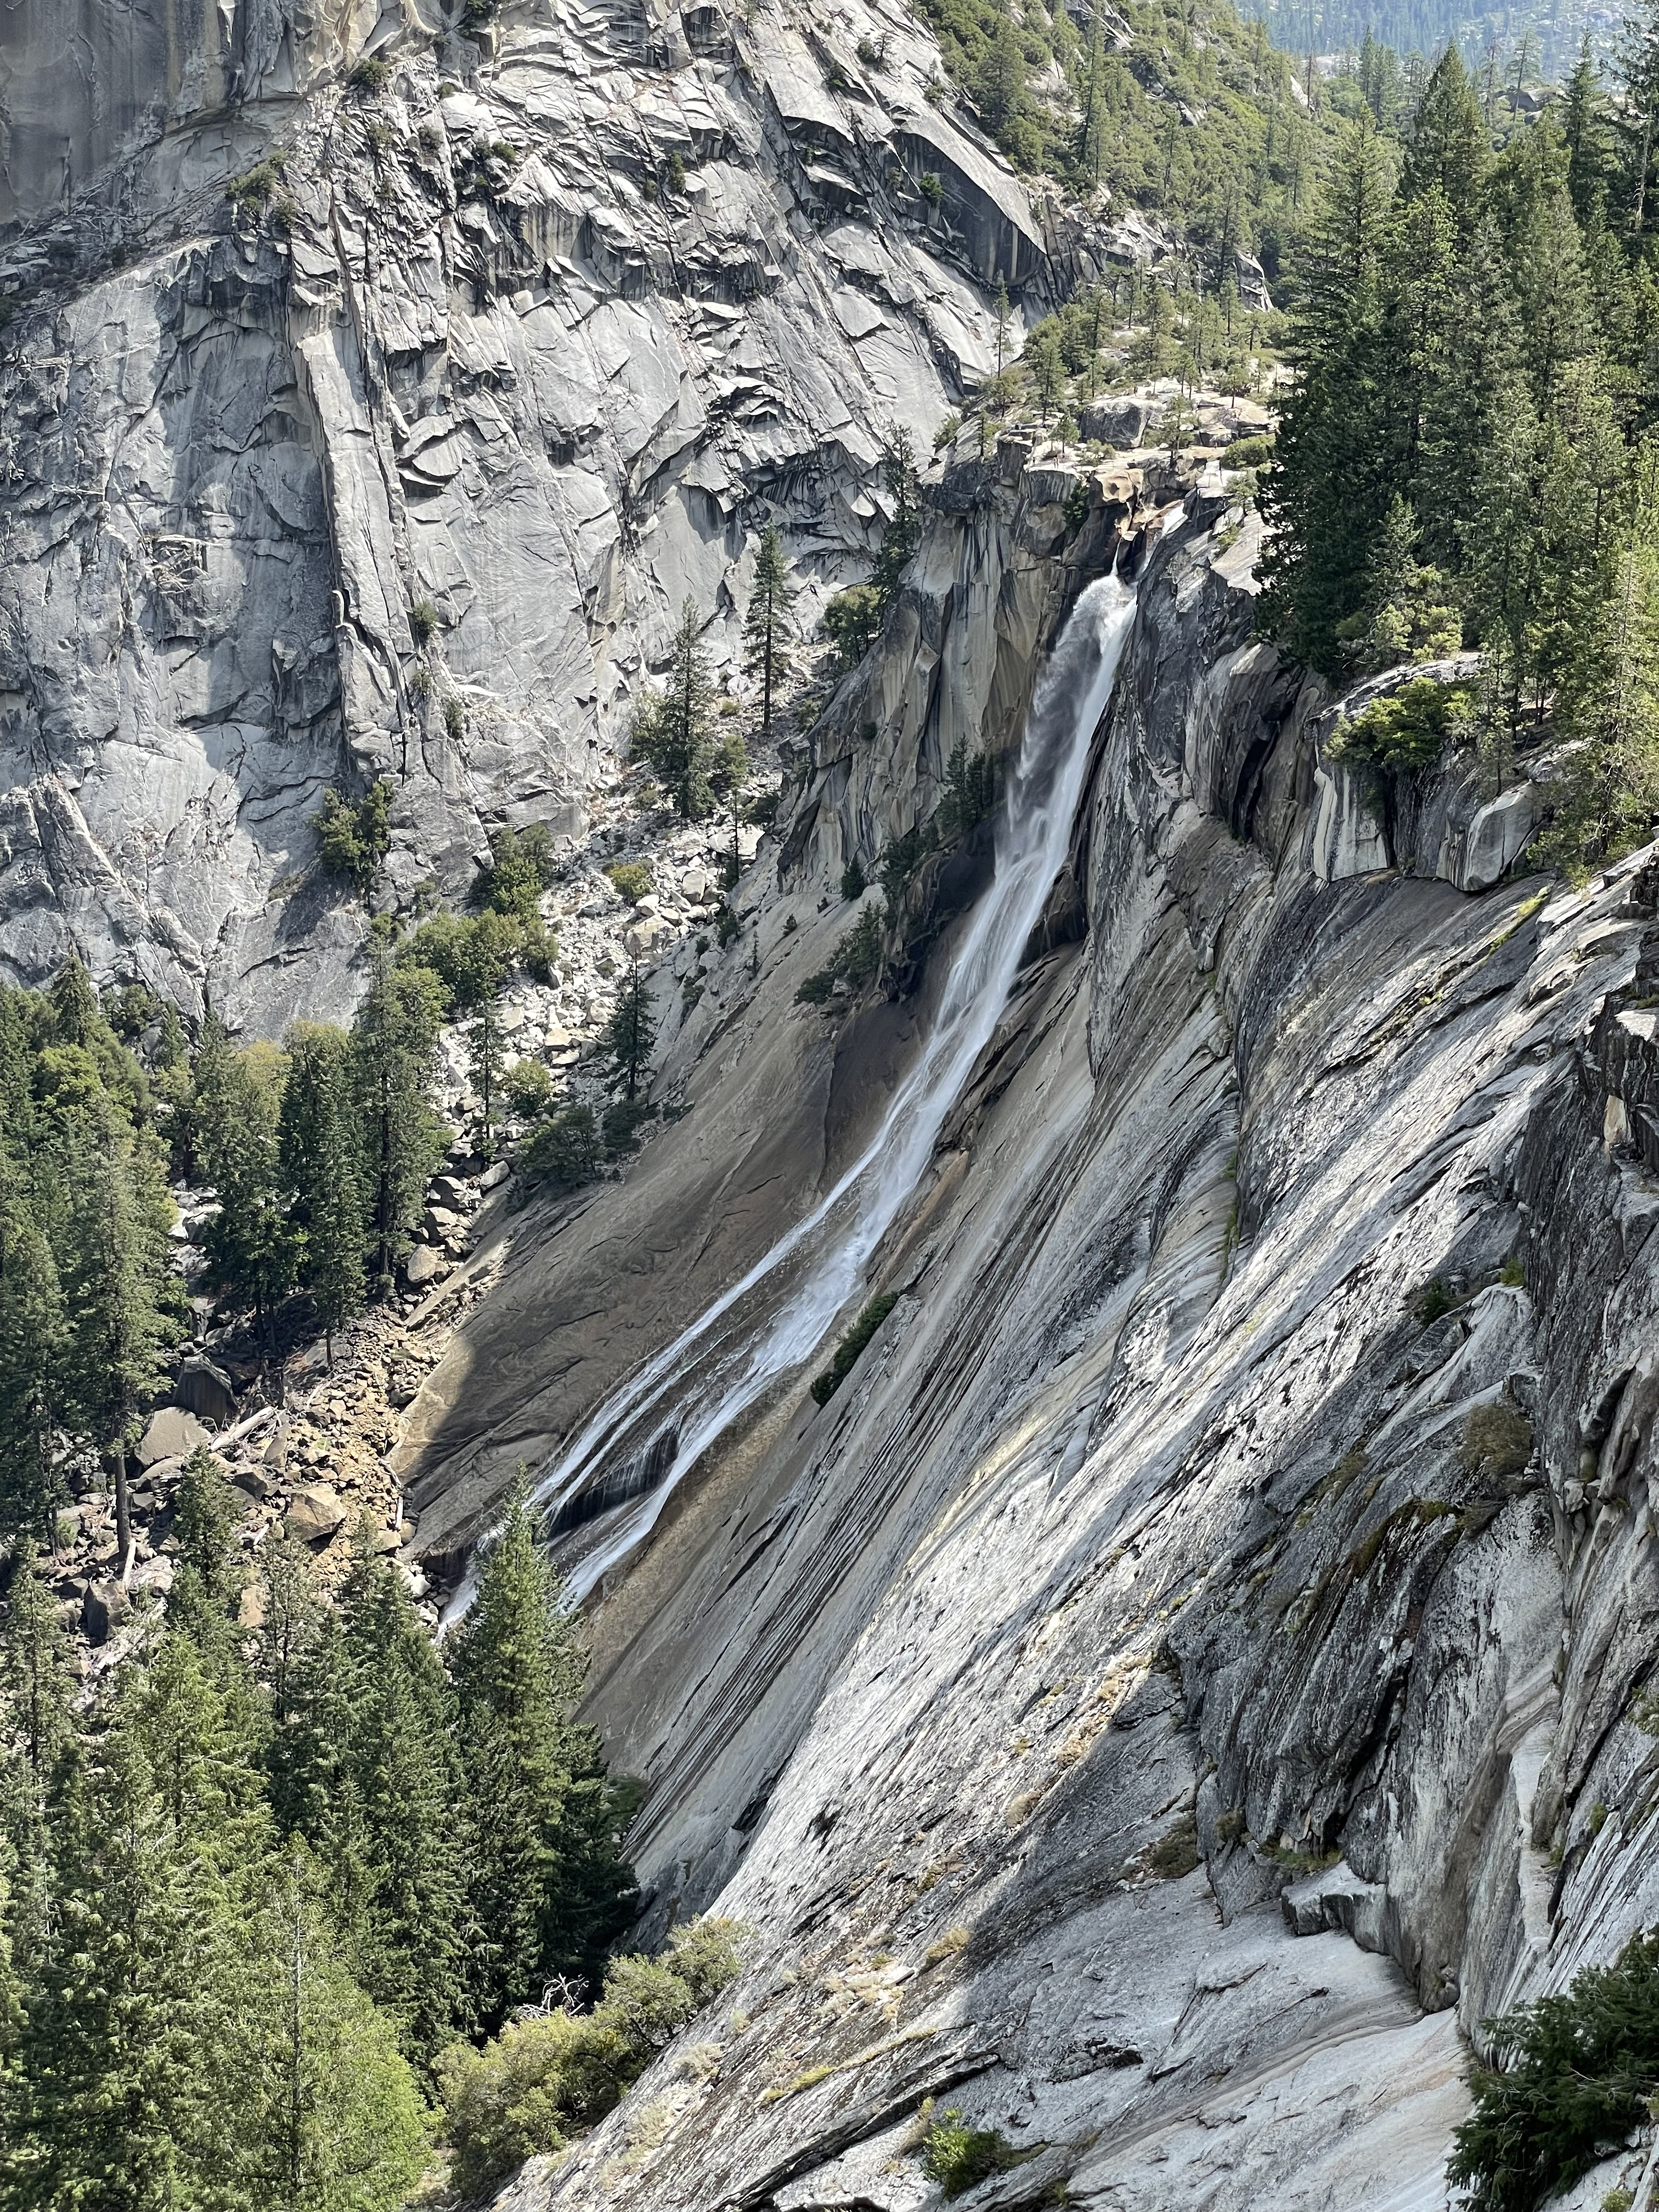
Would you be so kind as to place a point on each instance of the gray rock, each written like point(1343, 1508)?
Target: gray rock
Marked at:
point(171, 1433)
point(205, 1389)
point(258, 566)
point(314, 1512)
point(104, 1608)
point(425, 1264)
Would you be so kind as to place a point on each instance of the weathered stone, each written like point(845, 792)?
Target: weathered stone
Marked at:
point(171, 1433)
point(205, 1390)
point(425, 1264)
point(104, 1608)
point(314, 1512)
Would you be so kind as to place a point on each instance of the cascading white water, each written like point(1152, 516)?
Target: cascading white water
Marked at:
point(705, 1380)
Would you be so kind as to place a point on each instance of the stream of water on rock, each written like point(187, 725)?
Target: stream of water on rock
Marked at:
point(639, 1443)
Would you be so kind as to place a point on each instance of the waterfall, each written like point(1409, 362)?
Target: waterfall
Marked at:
point(639, 1444)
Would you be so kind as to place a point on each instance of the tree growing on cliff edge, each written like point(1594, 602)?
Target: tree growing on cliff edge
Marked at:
point(672, 731)
point(631, 1033)
point(768, 627)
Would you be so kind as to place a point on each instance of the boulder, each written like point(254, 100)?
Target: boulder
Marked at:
point(103, 1609)
point(494, 1175)
point(314, 1512)
point(172, 1433)
point(425, 1264)
point(1123, 422)
point(205, 1389)
point(449, 1190)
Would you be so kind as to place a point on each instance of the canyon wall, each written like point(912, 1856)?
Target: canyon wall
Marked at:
point(1190, 1673)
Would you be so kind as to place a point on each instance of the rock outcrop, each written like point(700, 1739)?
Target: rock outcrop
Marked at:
point(1189, 1674)
point(374, 397)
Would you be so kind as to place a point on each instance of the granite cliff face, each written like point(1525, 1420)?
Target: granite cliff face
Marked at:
point(535, 330)
point(1190, 1673)
point(1195, 1667)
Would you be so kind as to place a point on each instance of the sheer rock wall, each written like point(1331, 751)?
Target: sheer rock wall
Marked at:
point(1186, 1677)
point(537, 333)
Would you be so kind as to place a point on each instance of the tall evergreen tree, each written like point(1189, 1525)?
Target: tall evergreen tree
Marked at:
point(393, 1041)
point(550, 1884)
point(1449, 143)
point(252, 1243)
point(121, 1298)
point(321, 1147)
point(767, 625)
point(34, 1341)
point(631, 1032)
point(671, 731)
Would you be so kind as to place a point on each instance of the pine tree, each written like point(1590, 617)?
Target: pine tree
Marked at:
point(75, 1017)
point(321, 1164)
point(1636, 67)
point(393, 1041)
point(409, 1792)
point(115, 2104)
point(252, 1243)
point(671, 731)
point(1449, 143)
point(334, 2121)
point(34, 1677)
point(33, 1340)
point(120, 1297)
point(1588, 138)
point(903, 526)
point(486, 1056)
point(1333, 477)
point(631, 1032)
point(550, 1884)
point(767, 626)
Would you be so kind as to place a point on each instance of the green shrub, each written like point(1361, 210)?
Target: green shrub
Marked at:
point(1176, 1854)
point(354, 834)
point(851, 621)
point(930, 186)
point(1497, 1442)
point(543, 2079)
point(254, 187)
point(970, 793)
point(469, 955)
point(520, 869)
point(564, 1152)
point(632, 879)
point(1253, 453)
point(825, 1386)
point(959, 2157)
point(853, 881)
point(511, 2100)
point(859, 954)
point(371, 75)
point(816, 988)
point(726, 925)
point(622, 1122)
point(1074, 509)
point(1434, 1299)
point(901, 859)
point(1571, 2077)
point(704, 1954)
point(454, 718)
point(423, 621)
point(1409, 729)
point(529, 1089)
